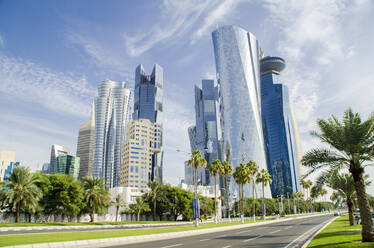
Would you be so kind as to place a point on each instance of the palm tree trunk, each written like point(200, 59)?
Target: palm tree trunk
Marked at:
point(350, 211)
point(17, 211)
point(93, 214)
point(117, 209)
point(227, 198)
point(363, 203)
point(138, 216)
point(263, 201)
point(154, 208)
point(215, 199)
point(253, 195)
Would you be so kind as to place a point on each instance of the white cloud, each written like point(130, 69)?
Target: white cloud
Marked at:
point(56, 91)
point(176, 18)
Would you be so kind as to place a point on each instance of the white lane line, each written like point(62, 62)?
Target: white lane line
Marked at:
point(253, 238)
point(227, 246)
point(204, 239)
point(171, 245)
point(274, 231)
point(288, 227)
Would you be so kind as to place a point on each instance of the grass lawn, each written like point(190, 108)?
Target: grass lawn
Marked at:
point(339, 234)
point(20, 224)
point(19, 239)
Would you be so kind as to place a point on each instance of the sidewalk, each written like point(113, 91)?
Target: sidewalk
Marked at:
point(93, 243)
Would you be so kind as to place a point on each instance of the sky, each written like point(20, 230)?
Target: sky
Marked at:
point(54, 53)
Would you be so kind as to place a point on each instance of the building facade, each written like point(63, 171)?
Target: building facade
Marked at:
point(279, 130)
point(138, 152)
point(6, 162)
point(111, 117)
point(85, 146)
point(56, 151)
point(237, 54)
point(45, 168)
point(69, 165)
point(148, 104)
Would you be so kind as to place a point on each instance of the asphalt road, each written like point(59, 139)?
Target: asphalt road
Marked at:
point(287, 234)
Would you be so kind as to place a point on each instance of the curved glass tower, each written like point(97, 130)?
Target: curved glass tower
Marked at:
point(111, 117)
point(238, 72)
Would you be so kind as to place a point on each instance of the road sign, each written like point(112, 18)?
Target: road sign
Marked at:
point(195, 208)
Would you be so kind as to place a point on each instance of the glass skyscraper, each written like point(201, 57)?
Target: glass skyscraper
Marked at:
point(206, 136)
point(148, 104)
point(68, 165)
point(280, 130)
point(237, 55)
point(111, 117)
point(56, 151)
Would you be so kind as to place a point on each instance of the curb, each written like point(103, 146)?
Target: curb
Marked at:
point(106, 242)
point(311, 237)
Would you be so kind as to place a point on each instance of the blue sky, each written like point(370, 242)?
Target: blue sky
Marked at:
point(54, 53)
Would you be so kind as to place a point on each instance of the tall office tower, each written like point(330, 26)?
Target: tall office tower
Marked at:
point(6, 162)
point(85, 147)
point(279, 131)
point(206, 136)
point(56, 151)
point(148, 105)
point(111, 117)
point(296, 135)
point(237, 55)
point(143, 141)
point(68, 165)
point(45, 168)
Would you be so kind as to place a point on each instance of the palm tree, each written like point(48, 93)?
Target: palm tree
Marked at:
point(215, 169)
point(351, 145)
point(22, 191)
point(95, 195)
point(139, 207)
point(264, 178)
point(253, 170)
point(297, 196)
point(226, 172)
point(117, 204)
point(322, 193)
point(196, 160)
point(241, 178)
point(155, 195)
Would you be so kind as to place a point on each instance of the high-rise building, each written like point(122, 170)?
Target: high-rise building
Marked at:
point(111, 117)
point(56, 151)
point(279, 127)
point(237, 54)
point(69, 165)
point(6, 163)
point(85, 146)
point(148, 104)
point(143, 141)
point(45, 168)
point(206, 136)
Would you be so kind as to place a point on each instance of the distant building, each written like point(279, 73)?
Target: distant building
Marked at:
point(128, 196)
point(85, 146)
point(111, 117)
point(138, 151)
point(45, 168)
point(56, 151)
point(69, 165)
point(9, 171)
point(6, 163)
point(280, 130)
point(148, 104)
point(188, 174)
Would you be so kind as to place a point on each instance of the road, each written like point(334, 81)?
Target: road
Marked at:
point(287, 234)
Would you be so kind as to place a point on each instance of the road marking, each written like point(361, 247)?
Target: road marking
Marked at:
point(227, 246)
point(274, 231)
point(288, 227)
point(171, 245)
point(253, 238)
point(204, 239)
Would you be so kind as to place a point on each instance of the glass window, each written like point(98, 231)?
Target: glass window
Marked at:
point(209, 106)
point(211, 129)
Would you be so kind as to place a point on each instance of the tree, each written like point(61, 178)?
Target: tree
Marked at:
point(155, 195)
point(226, 171)
point(297, 196)
point(306, 184)
point(22, 191)
point(95, 195)
point(196, 160)
point(241, 178)
point(253, 169)
point(322, 193)
point(351, 145)
point(117, 204)
point(215, 169)
point(264, 178)
point(141, 206)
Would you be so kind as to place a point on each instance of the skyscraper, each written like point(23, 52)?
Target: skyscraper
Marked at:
point(6, 163)
point(85, 146)
point(137, 153)
point(148, 104)
point(68, 165)
point(206, 136)
point(237, 55)
point(280, 130)
point(111, 117)
point(56, 151)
